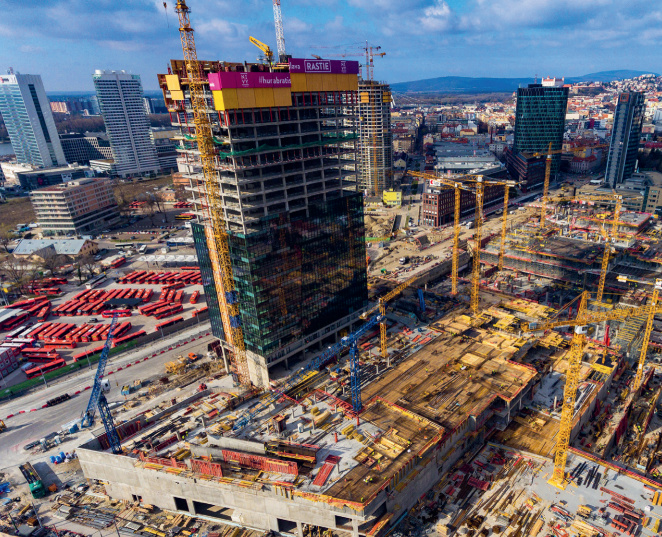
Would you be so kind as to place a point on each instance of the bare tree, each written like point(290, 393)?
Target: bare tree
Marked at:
point(16, 270)
point(6, 236)
point(52, 261)
point(150, 204)
point(88, 264)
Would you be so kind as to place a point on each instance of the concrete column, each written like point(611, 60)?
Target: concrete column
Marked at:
point(225, 360)
point(299, 528)
point(191, 507)
point(355, 528)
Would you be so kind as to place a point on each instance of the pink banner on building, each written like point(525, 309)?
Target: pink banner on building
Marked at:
point(335, 67)
point(218, 81)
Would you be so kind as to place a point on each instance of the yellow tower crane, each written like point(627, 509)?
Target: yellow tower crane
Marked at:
point(647, 335)
point(618, 199)
point(475, 184)
point(217, 238)
point(548, 172)
point(456, 184)
point(382, 310)
point(574, 357)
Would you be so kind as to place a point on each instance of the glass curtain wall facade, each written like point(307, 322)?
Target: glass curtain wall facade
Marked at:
point(297, 274)
point(206, 271)
point(625, 137)
point(540, 120)
point(27, 114)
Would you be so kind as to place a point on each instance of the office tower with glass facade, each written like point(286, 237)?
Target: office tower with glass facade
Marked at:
point(27, 114)
point(625, 137)
point(285, 163)
point(120, 96)
point(539, 121)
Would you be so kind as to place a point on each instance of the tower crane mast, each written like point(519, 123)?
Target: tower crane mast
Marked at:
point(574, 356)
point(218, 237)
point(280, 35)
point(98, 399)
point(548, 172)
point(475, 184)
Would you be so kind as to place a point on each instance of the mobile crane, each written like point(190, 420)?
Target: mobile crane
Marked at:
point(574, 356)
point(98, 399)
point(268, 53)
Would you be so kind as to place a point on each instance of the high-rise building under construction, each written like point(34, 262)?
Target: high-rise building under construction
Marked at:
point(285, 140)
point(375, 163)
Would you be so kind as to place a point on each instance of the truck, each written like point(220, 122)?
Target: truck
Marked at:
point(404, 260)
point(130, 388)
point(37, 488)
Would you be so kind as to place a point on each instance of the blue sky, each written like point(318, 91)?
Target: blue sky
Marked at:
point(65, 40)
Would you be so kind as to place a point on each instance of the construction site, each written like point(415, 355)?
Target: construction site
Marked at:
point(499, 379)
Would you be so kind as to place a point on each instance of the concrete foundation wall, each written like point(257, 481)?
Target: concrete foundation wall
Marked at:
point(255, 508)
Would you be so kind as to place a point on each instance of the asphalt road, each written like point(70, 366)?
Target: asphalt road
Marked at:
point(29, 426)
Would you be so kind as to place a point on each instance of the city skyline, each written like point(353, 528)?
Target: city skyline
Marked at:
point(423, 39)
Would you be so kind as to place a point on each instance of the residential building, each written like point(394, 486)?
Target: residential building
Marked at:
point(81, 148)
point(625, 137)
point(100, 144)
point(149, 107)
point(166, 150)
point(286, 171)
point(27, 114)
point(375, 162)
point(41, 177)
point(120, 97)
point(439, 203)
point(539, 122)
point(40, 249)
point(76, 207)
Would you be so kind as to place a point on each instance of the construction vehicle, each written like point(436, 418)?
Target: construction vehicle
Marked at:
point(176, 367)
point(3, 427)
point(37, 488)
point(574, 357)
point(268, 53)
point(98, 399)
point(217, 235)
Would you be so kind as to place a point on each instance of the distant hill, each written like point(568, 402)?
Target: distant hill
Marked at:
point(462, 84)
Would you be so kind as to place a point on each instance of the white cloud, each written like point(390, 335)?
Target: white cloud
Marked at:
point(221, 28)
point(437, 17)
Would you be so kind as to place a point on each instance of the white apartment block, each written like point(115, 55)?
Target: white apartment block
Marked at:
point(120, 96)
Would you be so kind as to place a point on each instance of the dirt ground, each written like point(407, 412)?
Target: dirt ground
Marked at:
point(133, 190)
point(17, 211)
